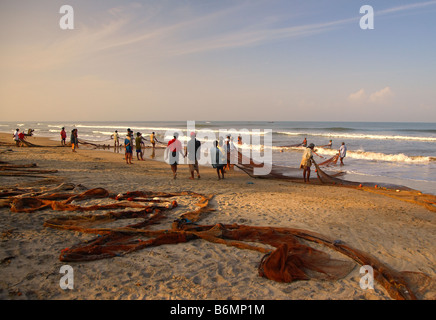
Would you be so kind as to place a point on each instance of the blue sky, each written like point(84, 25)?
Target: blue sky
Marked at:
point(218, 60)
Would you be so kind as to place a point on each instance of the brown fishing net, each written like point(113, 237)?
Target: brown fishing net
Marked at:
point(286, 265)
point(330, 161)
point(30, 144)
point(291, 260)
point(248, 165)
point(286, 258)
point(25, 170)
point(101, 145)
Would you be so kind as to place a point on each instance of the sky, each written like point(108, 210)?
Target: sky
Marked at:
point(256, 60)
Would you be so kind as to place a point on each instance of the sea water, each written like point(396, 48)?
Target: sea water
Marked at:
point(383, 152)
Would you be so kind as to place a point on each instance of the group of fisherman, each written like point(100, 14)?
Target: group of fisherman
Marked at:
point(19, 137)
point(307, 158)
point(130, 142)
point(220, 152)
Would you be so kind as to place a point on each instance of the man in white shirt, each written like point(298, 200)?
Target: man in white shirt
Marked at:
point(116, 138)
point(306, 162)
point(342, 152)
point(16, 138)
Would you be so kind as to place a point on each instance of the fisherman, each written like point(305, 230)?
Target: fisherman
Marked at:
point(342, 152)
point(304, 143)
point(128, 148)
point(174, 148)
point(139, 142)
point(131, 138)
point(218, 159)
point(116, 138)
point(192, 151)
point(229, 149)
point(16, 138)
point(74, 140)
point(153, 139)
point(329, 145)
point(306, 162)
point(63, 136)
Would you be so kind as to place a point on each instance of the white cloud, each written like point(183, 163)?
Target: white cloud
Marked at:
point(357, 96)
point(381, 96)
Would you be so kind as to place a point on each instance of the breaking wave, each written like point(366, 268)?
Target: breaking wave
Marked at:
point(361, 136)
point(378, 156)
point(365, 155)
point(233, 132)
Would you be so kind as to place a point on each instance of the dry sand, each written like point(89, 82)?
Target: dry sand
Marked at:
point(400, 234)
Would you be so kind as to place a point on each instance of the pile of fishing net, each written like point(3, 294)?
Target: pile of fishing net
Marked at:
point(285, 257)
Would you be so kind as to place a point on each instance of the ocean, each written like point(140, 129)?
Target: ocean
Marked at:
point(380, 152)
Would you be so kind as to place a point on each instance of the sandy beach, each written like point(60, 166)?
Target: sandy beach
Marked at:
point(400, 234)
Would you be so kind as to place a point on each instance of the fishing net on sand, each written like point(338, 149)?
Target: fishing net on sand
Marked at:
point(286, 256)
point(25, 143)
point(248, 165)
point(391, 190)
point(24, 170)
point(398, 192)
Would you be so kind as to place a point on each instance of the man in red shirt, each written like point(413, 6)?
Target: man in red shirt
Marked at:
point(21, 137)
point(63, 136)
point(174, 148)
